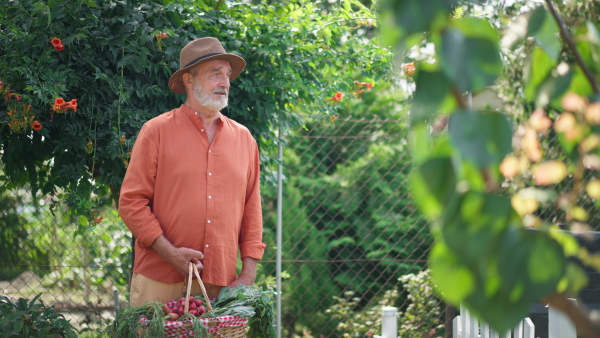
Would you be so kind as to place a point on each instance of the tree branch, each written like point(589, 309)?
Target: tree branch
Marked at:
point(567, 37)
point(584, 326)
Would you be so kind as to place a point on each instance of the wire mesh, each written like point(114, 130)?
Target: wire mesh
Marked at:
point(350, 232)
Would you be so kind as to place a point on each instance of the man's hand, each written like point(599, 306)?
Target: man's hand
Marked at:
point(248, 274)
point(179, 258)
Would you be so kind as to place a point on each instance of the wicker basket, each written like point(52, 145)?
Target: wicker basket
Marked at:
point(228, 332)
point(218, 327)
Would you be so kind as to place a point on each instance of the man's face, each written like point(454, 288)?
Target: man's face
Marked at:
point(211, 84)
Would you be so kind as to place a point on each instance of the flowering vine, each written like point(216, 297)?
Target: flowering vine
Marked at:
point(337, 97)
point(36, 125)
point(409, 69)
point(360, 87)
point(159, 37)
point(57, 44)
point(61, 106)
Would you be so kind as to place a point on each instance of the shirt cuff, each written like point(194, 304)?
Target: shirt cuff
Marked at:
point(150, 233)
point(253, 250)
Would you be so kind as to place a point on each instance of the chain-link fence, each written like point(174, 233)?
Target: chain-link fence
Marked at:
point(349, 228)
point(350, 232)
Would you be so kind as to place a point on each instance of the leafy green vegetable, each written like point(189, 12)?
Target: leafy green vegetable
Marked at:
point(25, 318)
point(248, 302)
point(261, 325)
point(242, 301)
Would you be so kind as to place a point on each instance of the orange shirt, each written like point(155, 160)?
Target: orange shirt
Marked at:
point(199, 195)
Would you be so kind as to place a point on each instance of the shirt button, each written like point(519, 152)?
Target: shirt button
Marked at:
point(196, 113)
point(202, 130)
point(207, 245)
point(209, 174)
point(209, 197)
point(210, 151)
point(208, 221)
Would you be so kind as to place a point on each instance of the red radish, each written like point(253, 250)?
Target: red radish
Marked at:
point(198, 302)
point(173, 316)
point(194, 312)
point(201, 309)
point(192, 299)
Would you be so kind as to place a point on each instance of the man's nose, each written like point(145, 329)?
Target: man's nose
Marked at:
point(224, 82)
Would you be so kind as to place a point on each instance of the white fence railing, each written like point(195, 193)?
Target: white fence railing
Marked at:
point(467, 326)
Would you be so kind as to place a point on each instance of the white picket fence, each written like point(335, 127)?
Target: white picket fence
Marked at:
point(467, 326)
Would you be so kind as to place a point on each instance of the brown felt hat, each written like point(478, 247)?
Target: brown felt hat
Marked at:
point(198, 52)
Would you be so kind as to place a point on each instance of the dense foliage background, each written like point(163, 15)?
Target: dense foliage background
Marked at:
point(309, 64)
point(116, 64)
point(116, 67)
point(483, 173)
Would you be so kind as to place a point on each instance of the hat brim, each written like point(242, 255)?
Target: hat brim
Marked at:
point(237, 66)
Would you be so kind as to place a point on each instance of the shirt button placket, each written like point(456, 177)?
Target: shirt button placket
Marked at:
point(209, 208)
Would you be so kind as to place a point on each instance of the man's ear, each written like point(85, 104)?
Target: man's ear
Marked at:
point(188, 80)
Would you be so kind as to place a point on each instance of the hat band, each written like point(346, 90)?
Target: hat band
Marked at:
point(200, 58)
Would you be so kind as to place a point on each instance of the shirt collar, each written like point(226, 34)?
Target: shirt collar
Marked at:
point(193, 114)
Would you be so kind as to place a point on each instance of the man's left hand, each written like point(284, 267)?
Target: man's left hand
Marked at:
point(248, 274)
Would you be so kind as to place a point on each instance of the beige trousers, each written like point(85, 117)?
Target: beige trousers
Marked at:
point(144, 290)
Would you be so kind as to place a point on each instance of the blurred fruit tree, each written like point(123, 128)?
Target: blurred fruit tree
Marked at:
point(486, 255)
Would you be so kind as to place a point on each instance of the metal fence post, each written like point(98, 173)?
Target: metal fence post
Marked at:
point(389, 322)
point(279, 232)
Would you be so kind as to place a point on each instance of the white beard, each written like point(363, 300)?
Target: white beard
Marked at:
point(214, 104)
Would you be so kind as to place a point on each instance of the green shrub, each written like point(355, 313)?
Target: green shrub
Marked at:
point(421, 318)
point(25, 318)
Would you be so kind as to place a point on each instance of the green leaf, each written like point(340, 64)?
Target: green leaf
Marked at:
point(580, 84)
point(454, 280)
point(575, 279)
point(547, 34)
point(415, 16)
point(530, 259)
point(472, 233)
point(420, 139)
point(83, 221)
point(18, 325)
point(546, 264)
point(553, 87)
point(471, 63)
point(477, 28)
point(432, 90)
point(536, 72)
point(433, 184)
point(483, 138)
point(505, 306)
point(589, 46)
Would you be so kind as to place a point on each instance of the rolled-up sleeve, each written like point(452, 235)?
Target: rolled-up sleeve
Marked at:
point(250, 242)
point(137, 190)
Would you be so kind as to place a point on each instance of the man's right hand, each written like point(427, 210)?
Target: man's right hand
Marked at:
point(179, 258)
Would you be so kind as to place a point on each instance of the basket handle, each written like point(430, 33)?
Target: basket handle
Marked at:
point(193, 269)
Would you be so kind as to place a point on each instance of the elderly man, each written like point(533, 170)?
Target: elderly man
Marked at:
point(192, 192)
